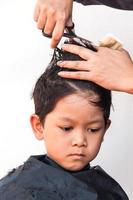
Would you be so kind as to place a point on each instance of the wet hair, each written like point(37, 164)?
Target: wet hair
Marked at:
point(50, 87)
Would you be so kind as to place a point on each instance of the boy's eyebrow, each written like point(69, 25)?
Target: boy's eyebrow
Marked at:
point(66, 119)
point(89, 122)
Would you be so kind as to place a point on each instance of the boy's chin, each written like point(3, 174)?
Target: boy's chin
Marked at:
point(74, 168)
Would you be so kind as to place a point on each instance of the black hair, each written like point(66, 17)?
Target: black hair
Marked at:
point(50, 87)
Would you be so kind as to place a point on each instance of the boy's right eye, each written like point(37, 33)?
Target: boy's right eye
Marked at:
point(66, 128)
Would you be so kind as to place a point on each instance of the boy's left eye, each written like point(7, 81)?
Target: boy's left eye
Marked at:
point(93, 130)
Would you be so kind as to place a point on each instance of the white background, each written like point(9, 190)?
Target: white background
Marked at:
point(24, 54)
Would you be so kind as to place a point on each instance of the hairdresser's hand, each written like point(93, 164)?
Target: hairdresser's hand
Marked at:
point(112, 69)
point(52, 16)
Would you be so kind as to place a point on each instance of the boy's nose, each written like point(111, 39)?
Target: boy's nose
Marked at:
point(79, 139)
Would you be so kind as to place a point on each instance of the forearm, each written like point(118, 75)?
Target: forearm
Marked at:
point(119, 4)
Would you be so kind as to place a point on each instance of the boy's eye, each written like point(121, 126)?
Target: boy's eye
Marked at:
point(66, 129)
point(93, 130)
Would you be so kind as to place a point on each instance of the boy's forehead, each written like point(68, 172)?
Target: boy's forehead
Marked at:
point(78, 98)
point(75, 98)
point(76, 108)
point(75, 103)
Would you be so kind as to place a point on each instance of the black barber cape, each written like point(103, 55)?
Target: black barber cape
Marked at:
point(119, 4)
point(40, 178)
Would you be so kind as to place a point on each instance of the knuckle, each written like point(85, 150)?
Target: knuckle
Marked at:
point(95, 60)
point(43, 8)
point(57, 36)
point(52, 11)
point(79, 75)
point(61, 17)
point(91, 77)
point(39, 25)
point(81, 51)
point(82, 76)
point(74, 48)
point(78, 65)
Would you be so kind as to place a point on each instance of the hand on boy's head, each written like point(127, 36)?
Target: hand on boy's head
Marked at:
point(102, 67)
point(52, 17)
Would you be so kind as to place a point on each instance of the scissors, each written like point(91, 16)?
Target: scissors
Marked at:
point(70, 34)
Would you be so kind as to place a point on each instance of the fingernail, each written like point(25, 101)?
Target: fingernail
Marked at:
point(59, 62)
point(61, 73)
point(63, 46)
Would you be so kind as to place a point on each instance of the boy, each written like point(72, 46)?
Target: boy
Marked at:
point(71, 116)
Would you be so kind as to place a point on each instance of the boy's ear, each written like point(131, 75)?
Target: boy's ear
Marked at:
point(37, 126)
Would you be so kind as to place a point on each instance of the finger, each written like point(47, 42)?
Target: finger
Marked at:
point(36, 13)
point(79, 65)
point(81, 51)
point(57, 33)
point(49, 25)
point(75, 75)
point(42, 19)
point(69, 22)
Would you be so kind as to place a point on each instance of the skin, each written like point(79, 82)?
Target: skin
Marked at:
point(72, 140)
point(111, 69)
point(52, 17)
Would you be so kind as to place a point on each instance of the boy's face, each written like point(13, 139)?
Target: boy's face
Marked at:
point(73, 132)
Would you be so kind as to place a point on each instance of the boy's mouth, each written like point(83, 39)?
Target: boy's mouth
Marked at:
point(78, 155)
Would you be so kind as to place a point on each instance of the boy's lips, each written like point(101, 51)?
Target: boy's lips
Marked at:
point(77, 155)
